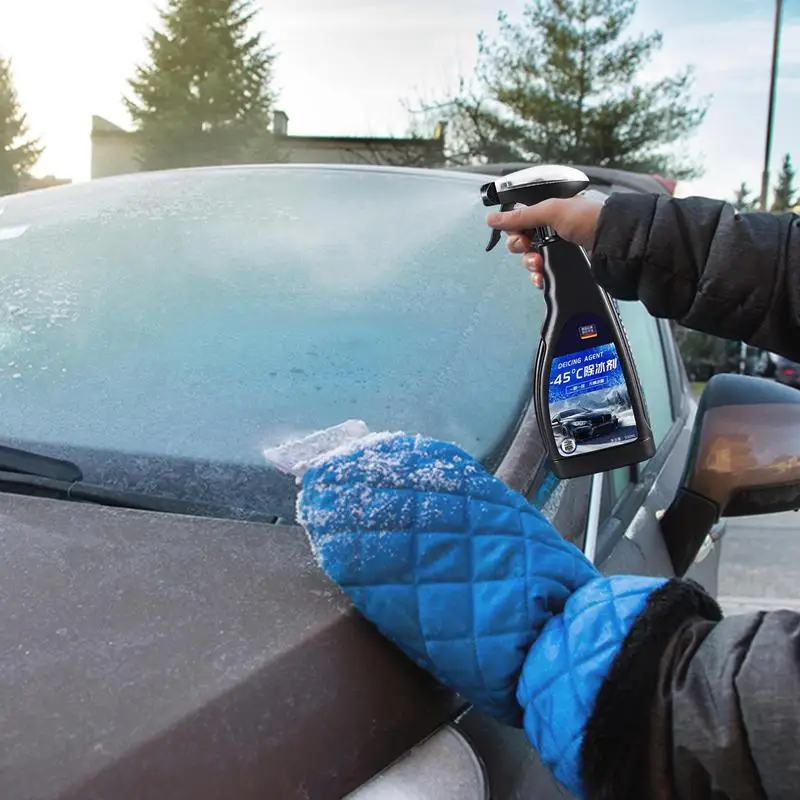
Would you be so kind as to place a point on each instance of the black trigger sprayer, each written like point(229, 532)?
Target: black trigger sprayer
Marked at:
point(588, 400)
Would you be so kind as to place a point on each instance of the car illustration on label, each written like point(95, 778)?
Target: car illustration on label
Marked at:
point(582, 424)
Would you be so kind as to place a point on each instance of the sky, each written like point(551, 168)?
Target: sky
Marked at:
point(344, 67)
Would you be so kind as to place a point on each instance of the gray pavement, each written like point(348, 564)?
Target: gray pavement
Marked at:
point(760, 566)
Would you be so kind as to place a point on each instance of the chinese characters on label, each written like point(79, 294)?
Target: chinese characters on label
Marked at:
point(587, 371)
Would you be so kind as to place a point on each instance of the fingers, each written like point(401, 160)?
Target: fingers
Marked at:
point(518, 243)
point(525, 218)
point(534, 263)
point(521, 219)
point(574, 219)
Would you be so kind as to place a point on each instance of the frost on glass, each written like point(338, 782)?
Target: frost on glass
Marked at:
point(211, 314)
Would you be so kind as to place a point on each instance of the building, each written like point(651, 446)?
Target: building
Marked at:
point(114, 149)
point(30, 183)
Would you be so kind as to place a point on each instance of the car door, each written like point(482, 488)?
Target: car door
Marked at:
point(630, 500)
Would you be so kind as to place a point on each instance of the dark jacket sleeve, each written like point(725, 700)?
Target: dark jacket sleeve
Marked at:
point(703, 264)
point(696, 707)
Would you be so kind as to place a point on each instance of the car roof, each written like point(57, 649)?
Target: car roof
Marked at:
point(614, 179)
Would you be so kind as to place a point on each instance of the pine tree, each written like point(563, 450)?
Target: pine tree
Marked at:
point(561, 85)
point(743, 199)
point(206, 94)
point(18, 151)
point(784, 194)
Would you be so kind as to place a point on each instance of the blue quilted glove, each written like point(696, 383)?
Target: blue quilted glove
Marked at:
point(472, 583)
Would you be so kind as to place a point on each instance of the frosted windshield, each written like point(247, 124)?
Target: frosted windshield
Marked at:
point(210, 314)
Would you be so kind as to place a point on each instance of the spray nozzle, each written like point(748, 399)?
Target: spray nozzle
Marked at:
point(528, 187)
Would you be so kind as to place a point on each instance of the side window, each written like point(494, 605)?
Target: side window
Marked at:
point(648, 353)
point(617, 481)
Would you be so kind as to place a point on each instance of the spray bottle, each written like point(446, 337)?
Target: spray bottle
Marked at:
point(588, 400)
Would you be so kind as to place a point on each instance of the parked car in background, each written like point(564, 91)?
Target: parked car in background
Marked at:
point(787, 372)
point(705, 356)
point(166, 631)
point(766, 364)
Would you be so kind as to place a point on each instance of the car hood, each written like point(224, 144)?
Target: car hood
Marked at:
point(147, 655)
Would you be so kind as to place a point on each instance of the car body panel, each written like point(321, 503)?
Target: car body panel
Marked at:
point(631, 539)
point(146, 655)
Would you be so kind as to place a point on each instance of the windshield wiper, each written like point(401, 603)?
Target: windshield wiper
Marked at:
point(17, 482)
point(13, 459)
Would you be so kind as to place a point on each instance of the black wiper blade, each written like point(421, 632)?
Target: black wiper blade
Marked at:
point(77, 491)
point(13, 459)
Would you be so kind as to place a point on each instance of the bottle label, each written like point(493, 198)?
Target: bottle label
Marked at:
point(590, 406)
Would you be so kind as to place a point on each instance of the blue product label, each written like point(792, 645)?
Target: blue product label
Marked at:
point(590, 407)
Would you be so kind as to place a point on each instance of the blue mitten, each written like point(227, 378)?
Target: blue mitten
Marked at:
point(472, 583)
point(569, 661)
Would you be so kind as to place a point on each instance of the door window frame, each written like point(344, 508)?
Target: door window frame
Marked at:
point(616, 514)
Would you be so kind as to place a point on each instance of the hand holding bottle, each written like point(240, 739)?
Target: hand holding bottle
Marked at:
point(574, 219)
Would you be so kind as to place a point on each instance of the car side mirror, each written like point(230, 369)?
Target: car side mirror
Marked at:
point(744, 459)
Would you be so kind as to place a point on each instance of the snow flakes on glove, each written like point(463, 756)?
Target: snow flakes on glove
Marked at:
point(450, 564)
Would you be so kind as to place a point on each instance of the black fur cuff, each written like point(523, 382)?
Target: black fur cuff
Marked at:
point(615, 738)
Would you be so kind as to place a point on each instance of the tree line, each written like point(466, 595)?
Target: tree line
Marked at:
point(558, 84)
point(784, 195)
